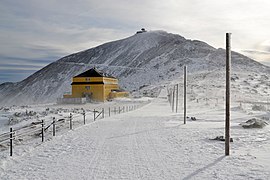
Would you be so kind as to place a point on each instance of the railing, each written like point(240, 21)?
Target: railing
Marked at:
point(16, 134)
point(40, 129)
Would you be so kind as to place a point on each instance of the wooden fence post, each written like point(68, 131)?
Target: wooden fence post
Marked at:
point(11, 141)
point(119, 109)
point(84, 117)
point(169, 95)
point(228, 82)
point(103, 112)
point(177, 89)
point(42, 131)
point(94, 114)
point(70, 121)
point(109, 112)
point(53, 126)
point(173, 98)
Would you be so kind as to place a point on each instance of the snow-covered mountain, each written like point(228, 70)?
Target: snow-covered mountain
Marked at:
point(142, 62)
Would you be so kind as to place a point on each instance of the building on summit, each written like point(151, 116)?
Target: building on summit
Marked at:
point(93, 85)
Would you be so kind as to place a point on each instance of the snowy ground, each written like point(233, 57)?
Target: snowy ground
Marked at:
point(150, 143)
point(18, 116)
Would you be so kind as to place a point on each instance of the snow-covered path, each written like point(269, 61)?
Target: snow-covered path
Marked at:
point(148, 143)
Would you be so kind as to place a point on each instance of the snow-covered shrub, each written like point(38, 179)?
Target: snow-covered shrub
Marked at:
point(254, 123)
point(13, 120)
point(17, 114)
point(258, 108)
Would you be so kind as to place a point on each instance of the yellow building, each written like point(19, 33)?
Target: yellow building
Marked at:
point(95, 85)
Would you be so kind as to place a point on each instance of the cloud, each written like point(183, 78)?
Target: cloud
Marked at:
point(15, 69)
point(261, 56)
point(14, 75)
point(48, 30)
point(256, 52)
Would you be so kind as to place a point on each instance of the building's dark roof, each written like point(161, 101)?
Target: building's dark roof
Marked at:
point(86, 83)
point(94, 73)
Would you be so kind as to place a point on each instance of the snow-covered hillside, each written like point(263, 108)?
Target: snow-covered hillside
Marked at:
point(144, 63)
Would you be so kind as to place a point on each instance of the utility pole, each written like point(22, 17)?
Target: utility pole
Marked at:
point(173, 98)
point(228, 82)
point(177, 89)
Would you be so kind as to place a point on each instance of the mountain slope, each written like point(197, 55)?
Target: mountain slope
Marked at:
point(152, 58)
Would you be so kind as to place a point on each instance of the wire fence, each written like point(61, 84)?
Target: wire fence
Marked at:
point(40, 129)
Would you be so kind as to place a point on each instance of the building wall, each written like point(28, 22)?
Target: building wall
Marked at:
point(108, 88)
point(109, 85)
point(97, 88)
point(113, 95)
point(87, 79)
point(95, 91)
point(71, 100)
point(99, 92)
point(110, 80)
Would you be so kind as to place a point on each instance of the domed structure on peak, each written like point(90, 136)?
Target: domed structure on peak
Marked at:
point(141, 31)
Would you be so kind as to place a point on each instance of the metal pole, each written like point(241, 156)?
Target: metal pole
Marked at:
point(53, 126)
point(94, 114)
point(170, 97)
point(185, 94)
point(173, 98)
point(42, 131)
point(11, 141)
point(228, 82)
point(109, 112)
point(177, 89)
point(102, 112)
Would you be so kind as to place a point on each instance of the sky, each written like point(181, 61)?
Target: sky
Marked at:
point(35, 33)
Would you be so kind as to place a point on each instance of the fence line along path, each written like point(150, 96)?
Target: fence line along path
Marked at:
point(149, 143)
point(43, 130)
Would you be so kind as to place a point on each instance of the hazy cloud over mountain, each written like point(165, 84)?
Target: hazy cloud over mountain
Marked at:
point(35, 33)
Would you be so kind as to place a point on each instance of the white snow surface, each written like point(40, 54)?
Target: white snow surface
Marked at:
point(150, 143)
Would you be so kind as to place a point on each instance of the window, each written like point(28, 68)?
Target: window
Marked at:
point(87, 87)
point(87, 79)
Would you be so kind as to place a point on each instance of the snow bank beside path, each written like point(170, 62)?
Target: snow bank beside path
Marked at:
point(148, 143)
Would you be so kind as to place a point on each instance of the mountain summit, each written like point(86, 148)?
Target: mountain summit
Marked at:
point(151, 58)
